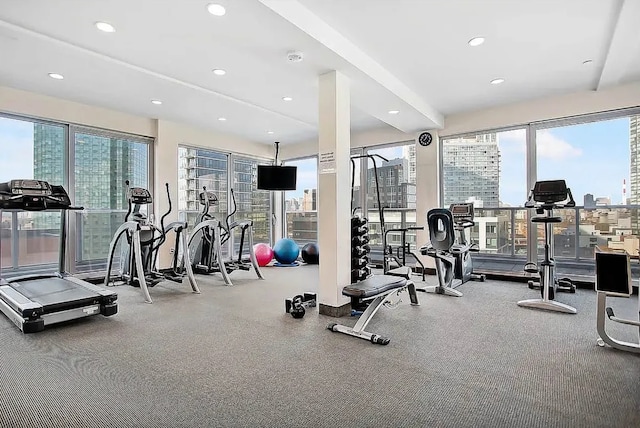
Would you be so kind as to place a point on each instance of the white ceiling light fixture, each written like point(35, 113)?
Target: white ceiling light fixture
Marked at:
point(476, 41)
point(222, 119)
point(287, 99)
point(497, 81)
point(156, 102)
point(105, 26)
point(587, 62)
point(394, 111)
point(56, 76)
point(295, 56)
point(216, 9)
point(219, 72)
point(270, 132)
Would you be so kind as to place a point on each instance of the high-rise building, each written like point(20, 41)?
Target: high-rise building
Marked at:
point(634, 174)
point(395, 189)
point(102, 165)
point(309, 200)
point(409, 152)
point(471, 169)
point(589, 201)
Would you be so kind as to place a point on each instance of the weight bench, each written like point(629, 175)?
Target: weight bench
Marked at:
point(375, 291)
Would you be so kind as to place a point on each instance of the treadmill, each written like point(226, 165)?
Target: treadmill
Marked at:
point(38, 300)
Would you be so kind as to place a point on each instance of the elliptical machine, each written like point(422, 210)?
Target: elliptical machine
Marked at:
point(545, 197)
point(139, 256)
point(450, 248)
point(207, 257)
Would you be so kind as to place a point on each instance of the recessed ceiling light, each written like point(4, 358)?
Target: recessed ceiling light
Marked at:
point(587, 62)
point(394, 111)
point(216, 9)
point(270, 132)
point(287, 99)
point(219, 72)
point(106, 27)
point(497, 81)
point(222, 119)
point(56, 76)
point(156, 102)
point(476, 41)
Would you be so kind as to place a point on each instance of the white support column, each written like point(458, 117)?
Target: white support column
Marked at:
point(334, 224)
point(427, 188)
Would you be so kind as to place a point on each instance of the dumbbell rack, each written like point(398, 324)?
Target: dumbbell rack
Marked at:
point(359, 249)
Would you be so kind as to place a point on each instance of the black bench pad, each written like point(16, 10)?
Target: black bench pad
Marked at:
point(374, 285)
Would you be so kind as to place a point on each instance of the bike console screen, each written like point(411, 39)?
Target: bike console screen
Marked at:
point(550, 191)
point(140, 195)
point(463, 211)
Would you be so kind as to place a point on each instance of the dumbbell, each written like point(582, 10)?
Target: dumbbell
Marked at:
point(297, 304)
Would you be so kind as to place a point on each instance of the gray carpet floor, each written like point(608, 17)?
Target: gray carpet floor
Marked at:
point(231, 357)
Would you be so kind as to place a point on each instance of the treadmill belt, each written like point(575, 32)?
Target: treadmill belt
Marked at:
point(52, 291)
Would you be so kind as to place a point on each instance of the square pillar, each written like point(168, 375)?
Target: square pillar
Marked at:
point(427, 188)
point(334, 192)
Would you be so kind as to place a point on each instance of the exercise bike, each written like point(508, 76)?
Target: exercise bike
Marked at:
point(138, 257)
point(207, 257)
point(545, 197)
point(450, 248)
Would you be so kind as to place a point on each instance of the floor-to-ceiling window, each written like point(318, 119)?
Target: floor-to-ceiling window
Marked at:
point(598, 158)
point(251, 203)
point(197, 169)
point(395, 192)
point(490, 170)
point(301, 209)
point(31, 149)
point(103, 162)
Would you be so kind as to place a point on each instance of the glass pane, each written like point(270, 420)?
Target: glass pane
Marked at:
point(301, 205)
point(103, 163)
point(252, 204)
point(37, 150)
point(198, 168)
point(600, 163)
point(396, 180)
point(493, 230)
point(486, 169)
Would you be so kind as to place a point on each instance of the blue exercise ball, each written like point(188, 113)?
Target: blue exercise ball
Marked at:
point(286, 251)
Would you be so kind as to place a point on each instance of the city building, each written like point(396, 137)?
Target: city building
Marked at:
point(471, 169)
point(309, 200)
point(589, 201)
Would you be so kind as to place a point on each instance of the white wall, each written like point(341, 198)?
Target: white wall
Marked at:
point(24, 103)
point(557, 107)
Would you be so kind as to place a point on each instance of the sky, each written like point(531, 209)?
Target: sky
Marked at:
point(592, 158)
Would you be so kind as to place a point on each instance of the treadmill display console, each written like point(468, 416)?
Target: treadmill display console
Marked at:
point(30, 187)
point(33, 195)
point(550, 191)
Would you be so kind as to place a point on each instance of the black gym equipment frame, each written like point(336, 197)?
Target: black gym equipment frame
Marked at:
point(33, 301)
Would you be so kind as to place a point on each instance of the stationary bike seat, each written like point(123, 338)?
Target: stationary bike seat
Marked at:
point(544, 219)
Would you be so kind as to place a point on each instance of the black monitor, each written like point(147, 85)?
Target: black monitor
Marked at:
point(272, 177)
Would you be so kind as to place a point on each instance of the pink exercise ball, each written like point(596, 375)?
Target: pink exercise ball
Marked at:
point(264, 254)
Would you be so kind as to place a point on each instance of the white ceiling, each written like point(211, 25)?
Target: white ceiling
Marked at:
point(406, 55)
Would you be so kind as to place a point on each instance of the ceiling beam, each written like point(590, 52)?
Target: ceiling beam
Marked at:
point(314, 26)
point(625, 43)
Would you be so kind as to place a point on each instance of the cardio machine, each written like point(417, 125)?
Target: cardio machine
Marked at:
point(34, 301)
point(206, 257)
point(613, 278)
point(545, 197)
point(450, 248)
point(139, 255)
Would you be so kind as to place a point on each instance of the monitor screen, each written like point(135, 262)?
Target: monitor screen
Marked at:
point(272, 177)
